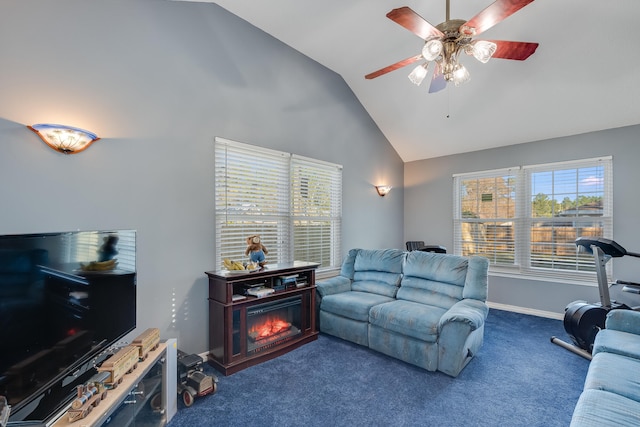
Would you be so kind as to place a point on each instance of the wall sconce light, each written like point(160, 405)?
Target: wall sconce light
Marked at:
point(65, 139)
point(383, 189)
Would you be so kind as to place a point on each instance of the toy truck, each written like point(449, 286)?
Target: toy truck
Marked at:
point(192, 382)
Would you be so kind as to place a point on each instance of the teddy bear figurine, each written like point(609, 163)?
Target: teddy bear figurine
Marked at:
point(256, 250)
point(109, 249)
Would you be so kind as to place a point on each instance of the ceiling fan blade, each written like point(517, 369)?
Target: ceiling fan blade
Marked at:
point(413, 22)
point(513, 50)
point(437, 84)
point(491, 15)
point(437, 81)
point(393, 67)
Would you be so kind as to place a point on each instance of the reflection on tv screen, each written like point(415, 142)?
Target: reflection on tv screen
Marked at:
point(64, 297)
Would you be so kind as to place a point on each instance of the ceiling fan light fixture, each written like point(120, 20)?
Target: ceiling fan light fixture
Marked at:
point(444, 43)
point(432, 49)
point(460, 75)
point(482, 50)
point(418, 74)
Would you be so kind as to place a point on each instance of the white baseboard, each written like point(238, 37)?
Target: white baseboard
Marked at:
point(525, 310)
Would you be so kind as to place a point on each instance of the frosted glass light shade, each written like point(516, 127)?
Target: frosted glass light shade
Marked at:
point(65, 139)
point(383, 190)
point(432, 49)
point(460, 75)
point(483, 50)
point(418, 74)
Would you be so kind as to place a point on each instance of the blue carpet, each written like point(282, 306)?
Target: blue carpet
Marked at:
point(519, 378)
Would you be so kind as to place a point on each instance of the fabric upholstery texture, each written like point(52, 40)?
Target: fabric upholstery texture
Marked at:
point(424, 308)
point(619, 342)
point(611, 394)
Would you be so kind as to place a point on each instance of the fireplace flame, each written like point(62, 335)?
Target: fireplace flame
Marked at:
point(269, 328)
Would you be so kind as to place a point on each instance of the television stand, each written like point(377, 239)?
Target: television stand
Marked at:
point(131, 399)
point(254, 317)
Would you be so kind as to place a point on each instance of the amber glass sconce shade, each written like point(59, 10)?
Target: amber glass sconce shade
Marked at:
point(64, 139)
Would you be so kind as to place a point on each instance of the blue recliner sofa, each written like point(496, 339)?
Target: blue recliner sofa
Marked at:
point(424, 308)
point(611, 394)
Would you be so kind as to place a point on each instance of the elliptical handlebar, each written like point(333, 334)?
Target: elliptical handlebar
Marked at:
point(609, 247)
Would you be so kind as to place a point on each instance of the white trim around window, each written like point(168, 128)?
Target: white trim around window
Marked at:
point(525, 219)
point(294, 203)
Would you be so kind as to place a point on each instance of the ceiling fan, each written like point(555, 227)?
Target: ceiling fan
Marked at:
point(445, 42)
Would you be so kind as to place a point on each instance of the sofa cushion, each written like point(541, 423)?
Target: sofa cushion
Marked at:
point(597, 408)
point(348, 268)
point(353, 305)
point(624, 320)
point(408, 318)
point(618, 342)
point(433, 279)
point(423, 291)
point(614, 373)
point(376, 282)
point(435, 267)
point(387, 260)
point(378, 271)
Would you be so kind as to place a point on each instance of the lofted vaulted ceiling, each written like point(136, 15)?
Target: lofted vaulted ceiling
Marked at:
point(582, 78)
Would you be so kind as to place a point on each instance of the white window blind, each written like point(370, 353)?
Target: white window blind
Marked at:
point(485, 216)
point(526, 219)
point(251, 197)
point(565, 201)
point(316, 210)
point(293, 203)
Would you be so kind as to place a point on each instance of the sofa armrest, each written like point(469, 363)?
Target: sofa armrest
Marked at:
point(333, 285)
point(470, 311)
point(460, 334)
point(624, 320)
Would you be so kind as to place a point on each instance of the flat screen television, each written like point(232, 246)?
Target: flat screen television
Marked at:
point(65, 299)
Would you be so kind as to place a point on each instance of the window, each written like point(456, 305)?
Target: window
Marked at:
point(526, 219)
point(294, 203)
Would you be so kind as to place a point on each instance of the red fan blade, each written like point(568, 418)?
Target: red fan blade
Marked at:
point(413, 22)
point(514, 50)
point(393, 67)
point(491, 15)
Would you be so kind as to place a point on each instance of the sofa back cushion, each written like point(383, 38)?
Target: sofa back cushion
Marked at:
point(378, 271)
point(347, 270)
point(434, 279)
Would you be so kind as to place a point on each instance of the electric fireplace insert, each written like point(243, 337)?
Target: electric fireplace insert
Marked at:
point(273, 323)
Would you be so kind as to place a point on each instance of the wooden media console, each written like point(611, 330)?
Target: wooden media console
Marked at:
point(245, 330)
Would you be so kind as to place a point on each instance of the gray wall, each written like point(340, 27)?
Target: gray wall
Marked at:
point(429, 207)
point(158, 81)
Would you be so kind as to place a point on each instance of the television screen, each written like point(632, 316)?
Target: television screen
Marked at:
point(64, 299)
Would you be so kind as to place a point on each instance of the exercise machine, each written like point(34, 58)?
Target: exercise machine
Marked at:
point(583, 320)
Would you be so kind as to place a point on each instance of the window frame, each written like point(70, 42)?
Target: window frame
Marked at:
point(524, 220)
point(234, 162)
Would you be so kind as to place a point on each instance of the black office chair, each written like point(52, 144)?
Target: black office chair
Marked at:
point(434, 248)
point(414, 245)
point(418, 245)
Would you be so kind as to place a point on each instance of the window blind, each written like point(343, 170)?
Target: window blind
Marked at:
point(564, 201)
point(316, 210)
point(251, 197)
point(292, 202)
point(526, 219)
